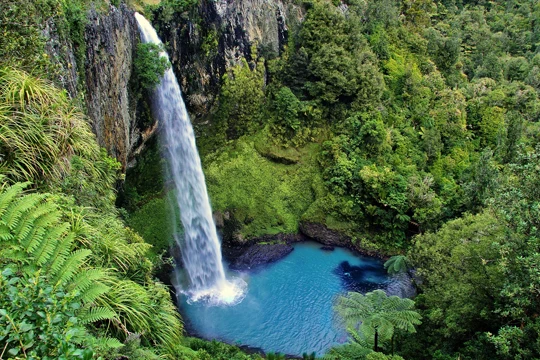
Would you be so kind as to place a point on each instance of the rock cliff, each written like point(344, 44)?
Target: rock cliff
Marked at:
point(217, 35)
point(111, 40)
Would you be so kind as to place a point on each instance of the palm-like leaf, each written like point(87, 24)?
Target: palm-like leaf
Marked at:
point(34, 237)
point(377, 315)
point(396, 264)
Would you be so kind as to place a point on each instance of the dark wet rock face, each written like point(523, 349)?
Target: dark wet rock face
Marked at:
point(111, 37)
point(261, 254)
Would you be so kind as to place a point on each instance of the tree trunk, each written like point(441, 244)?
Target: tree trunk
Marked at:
point(376, 347)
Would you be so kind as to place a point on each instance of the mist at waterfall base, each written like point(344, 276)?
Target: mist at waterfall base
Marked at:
point(288, 307)
point(201, 249)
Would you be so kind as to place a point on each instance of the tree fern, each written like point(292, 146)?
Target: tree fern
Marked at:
point(375, 314)
point(396, 264)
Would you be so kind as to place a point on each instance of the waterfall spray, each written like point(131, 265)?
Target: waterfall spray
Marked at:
point(201, 249)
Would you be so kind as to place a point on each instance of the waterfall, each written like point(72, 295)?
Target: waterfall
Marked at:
point(201, 249)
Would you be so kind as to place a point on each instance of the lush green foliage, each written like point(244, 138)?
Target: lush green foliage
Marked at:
point(264, 196)
point(37, 129)
point(149, 65)
point(375, 317)
point(414, 119)
point(38, 34)
point(397, 264)
point(241, 100)
point(425, 115)
point(48, 292)
point(65, 241)
point(39, 321)
point(478, 283)
point(217, 351)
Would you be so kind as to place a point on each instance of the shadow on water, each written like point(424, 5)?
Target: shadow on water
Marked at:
point(364, 278)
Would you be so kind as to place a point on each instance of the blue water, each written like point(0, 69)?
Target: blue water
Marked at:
point(288, 306)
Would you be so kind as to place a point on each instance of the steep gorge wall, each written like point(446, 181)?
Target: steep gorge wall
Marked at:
point(111, 40)
point(202, 45)
point(111, 37)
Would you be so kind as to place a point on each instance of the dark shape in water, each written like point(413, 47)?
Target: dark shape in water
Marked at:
point(361, 279)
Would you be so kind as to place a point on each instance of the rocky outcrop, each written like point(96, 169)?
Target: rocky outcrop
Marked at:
point(261, 254)
point(111, 39)
point(62, 54)
point(330, 238)
point(203, 44)
point(324, 235)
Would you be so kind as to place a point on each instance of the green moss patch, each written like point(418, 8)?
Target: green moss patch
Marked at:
point(266, 197)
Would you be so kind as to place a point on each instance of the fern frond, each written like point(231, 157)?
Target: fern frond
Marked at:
point(62, 247)
point(5, 233)
point(70, 266)
point(94, 314)
point(44, 250)
point(84, 279)
point(7, 196)
point(18, 208)
point(105, 343)
point(93, 292)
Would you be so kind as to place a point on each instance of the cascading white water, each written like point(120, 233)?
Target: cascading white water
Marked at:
point(201, 250)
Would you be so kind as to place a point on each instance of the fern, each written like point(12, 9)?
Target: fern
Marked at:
point(5, 233)
point(9, 194)
point(33, 236)
point(396, 264)
point(93, 292)
point(62, 247)
point(17, 210)
point(85, 279)
point(94, 314)
point(69, 266)
point(378, 315)
point(105, 343)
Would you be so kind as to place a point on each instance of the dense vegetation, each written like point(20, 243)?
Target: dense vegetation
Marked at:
point(412, 109)
point(410, 126)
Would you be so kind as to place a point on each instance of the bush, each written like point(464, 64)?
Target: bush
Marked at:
point(149, 65)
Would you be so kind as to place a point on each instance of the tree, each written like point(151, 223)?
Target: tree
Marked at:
point(378, 315)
